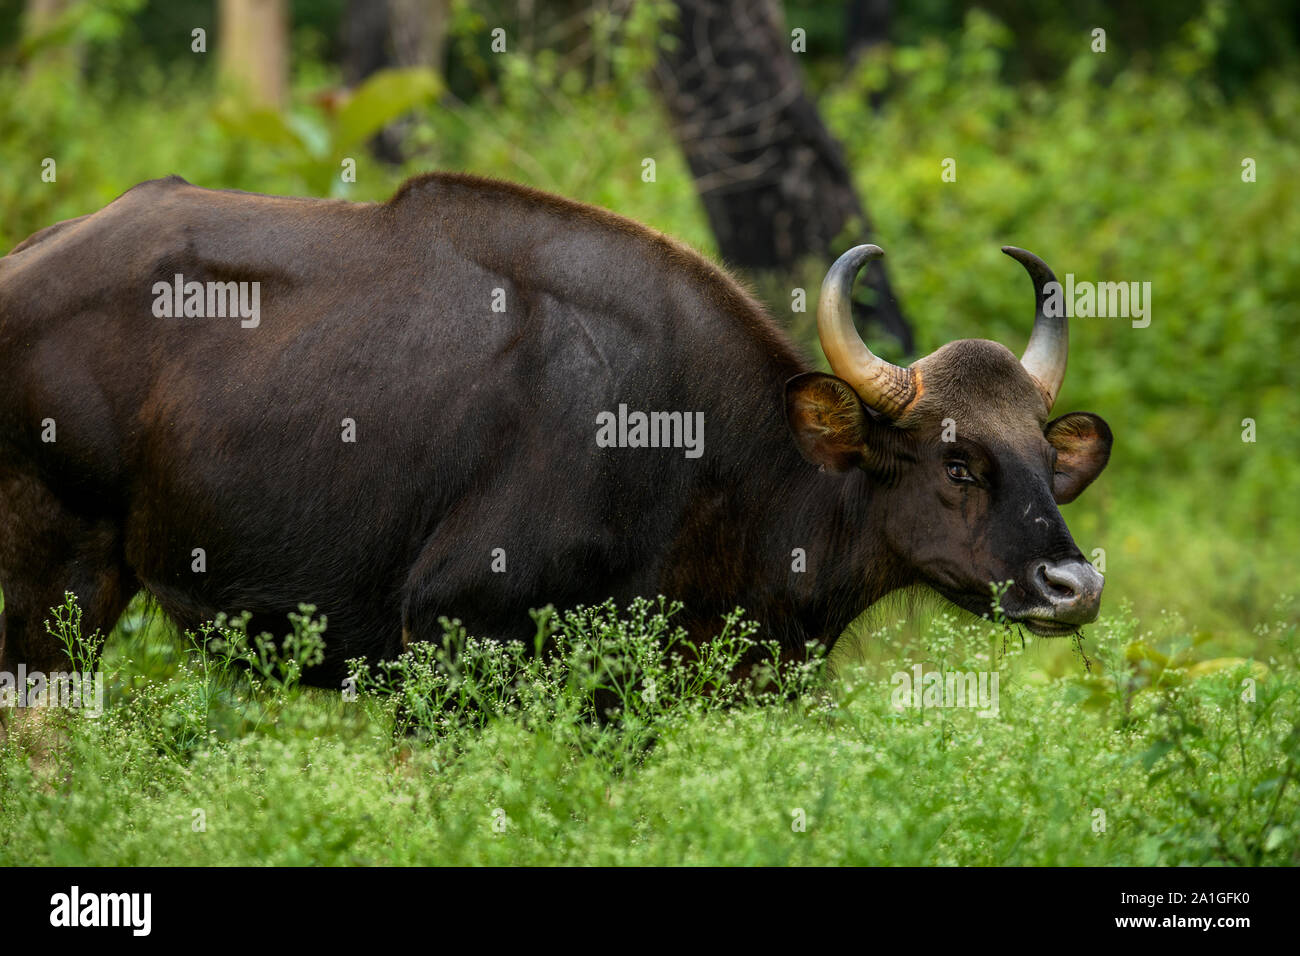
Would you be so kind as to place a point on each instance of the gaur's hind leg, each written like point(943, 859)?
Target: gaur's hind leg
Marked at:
point(46, 550)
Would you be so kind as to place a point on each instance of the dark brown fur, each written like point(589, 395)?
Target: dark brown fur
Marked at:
point(475, 429)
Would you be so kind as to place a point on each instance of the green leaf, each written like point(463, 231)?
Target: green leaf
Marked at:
point(260, 124)
point(381, 99)
point(1276, 837)
point(1266, 787)
point(1155, 752)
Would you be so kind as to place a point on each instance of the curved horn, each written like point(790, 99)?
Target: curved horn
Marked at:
point(884, 386)
point(1049, 343)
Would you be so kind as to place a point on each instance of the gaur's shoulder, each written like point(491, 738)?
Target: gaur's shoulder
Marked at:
point(463, 197)
point(443, 188)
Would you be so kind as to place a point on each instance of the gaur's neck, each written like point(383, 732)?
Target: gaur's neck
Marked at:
point(801, 551)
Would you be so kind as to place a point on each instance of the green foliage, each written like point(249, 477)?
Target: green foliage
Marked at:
point(473, 753)
point(64, 625)
point(604, 683)
point(1239, 42)
point(313, 145)
point(92, 22)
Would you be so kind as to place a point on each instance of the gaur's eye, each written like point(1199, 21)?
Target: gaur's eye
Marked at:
point(958, 471)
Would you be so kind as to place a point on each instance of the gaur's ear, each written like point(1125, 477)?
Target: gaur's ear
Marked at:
point(827, 419)
point(1082, 443)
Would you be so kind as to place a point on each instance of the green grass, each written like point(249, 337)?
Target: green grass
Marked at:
point(1140, 753)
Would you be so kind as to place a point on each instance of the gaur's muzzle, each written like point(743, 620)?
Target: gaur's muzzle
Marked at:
point(1068, 592)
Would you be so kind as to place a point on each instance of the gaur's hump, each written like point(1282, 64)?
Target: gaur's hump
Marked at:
point(165, 184)
point(477, 207)
point(167, 181)
point(460, 195)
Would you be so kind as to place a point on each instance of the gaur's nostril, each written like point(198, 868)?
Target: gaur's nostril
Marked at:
point(1070, 589)
point(1057, 583)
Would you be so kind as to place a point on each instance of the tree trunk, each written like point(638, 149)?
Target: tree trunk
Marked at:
point(254, 49)
point(419, 32)
point(772, 179)
point(868, 25)
point(378, 34)
point(41, 16)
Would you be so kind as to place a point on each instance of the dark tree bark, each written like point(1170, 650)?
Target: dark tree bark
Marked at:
point(868, 25)
point(365, 39)
point(384, 33)
point(378, 34)
point(772, 179)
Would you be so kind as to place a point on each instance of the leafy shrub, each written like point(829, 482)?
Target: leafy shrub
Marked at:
point(603, 682)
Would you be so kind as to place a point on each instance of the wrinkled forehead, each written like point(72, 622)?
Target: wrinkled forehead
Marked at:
point(982, 390)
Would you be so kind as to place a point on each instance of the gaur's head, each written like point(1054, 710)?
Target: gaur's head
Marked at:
point(967, 469)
